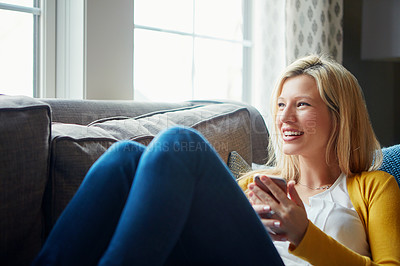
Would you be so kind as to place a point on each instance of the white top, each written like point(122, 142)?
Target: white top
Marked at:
point(332, 212)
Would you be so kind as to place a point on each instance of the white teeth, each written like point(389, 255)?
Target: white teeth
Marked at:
point(292, 133)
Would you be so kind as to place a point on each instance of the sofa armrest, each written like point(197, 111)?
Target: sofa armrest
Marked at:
point(258, 129)
point(24, 146)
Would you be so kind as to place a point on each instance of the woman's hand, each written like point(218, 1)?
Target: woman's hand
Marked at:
point(285, 219)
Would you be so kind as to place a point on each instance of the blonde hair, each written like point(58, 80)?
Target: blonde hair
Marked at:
point(353, 140)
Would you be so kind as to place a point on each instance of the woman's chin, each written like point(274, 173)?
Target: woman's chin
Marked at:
point(290, 150)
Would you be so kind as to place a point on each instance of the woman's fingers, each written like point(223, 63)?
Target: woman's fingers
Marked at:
point(293, 194)
point(274, 197)
point(254, 200)
point(275, 190)
point(290, 218)
point(262, 209)
point(275, 230)
point(258, 195)
point(273, 224)
point(278, 237)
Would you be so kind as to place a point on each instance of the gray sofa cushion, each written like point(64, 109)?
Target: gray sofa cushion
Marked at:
point(24, 144)
point(76, 147)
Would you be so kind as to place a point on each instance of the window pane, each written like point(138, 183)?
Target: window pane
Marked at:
point(28, 3)
point(16, 53)
point(218, 70)
point(162, 66)
point(219, 18)
point(172, 14)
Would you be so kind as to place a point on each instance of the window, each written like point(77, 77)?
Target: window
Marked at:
point(198, 49)
point(19, 47)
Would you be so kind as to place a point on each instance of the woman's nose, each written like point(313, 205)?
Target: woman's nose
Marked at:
point(287, 115)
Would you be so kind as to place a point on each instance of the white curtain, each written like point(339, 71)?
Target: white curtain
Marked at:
point(287, 30)
point(269, 50)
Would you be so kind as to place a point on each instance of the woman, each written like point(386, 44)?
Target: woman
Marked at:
point(327, 151)
point(175, 202)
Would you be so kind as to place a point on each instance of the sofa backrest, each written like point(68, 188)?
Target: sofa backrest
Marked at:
point(74, 148)
point(83, 112)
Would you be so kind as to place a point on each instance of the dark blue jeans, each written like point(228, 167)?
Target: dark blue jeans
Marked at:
point(173, 202)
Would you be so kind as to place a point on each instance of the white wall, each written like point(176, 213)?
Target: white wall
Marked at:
point(109, 49)
point(94, 43)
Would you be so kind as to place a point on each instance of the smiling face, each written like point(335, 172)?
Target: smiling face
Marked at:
point(303, 119)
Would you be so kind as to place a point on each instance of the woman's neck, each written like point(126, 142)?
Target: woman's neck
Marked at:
point(317, 172)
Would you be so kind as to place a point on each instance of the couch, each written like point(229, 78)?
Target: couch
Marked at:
point(47, 146)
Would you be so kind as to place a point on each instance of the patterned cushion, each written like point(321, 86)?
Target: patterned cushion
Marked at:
point(237, 164)
point(391, 161)
point(75, 148)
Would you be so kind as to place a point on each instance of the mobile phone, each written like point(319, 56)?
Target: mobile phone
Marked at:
point(282, 184)
point(277, 180)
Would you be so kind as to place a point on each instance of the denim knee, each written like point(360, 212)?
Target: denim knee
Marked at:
point(182, 139)
point(184, 134)
point(126, 146)
point(123, 154)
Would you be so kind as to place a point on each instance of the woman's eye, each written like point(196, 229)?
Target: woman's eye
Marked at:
point(281, 105)
point(302, 104)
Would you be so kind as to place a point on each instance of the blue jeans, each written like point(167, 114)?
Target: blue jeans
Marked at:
point(173, 202)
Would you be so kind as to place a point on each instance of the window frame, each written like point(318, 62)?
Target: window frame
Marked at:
point(36, 13)
point(46, 63)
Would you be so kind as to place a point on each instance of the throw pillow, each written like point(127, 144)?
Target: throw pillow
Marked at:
point(391, 161)
point(237, 164)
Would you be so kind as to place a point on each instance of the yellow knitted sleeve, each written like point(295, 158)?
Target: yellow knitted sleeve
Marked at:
point(377, 201)
point(244, 182)
point(318, 248)
point(376, 197)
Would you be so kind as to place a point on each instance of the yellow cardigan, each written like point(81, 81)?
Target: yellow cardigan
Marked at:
point(376, 197)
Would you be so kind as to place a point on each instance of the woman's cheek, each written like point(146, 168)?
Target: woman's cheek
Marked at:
point(310, 123)
point(311, 127)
